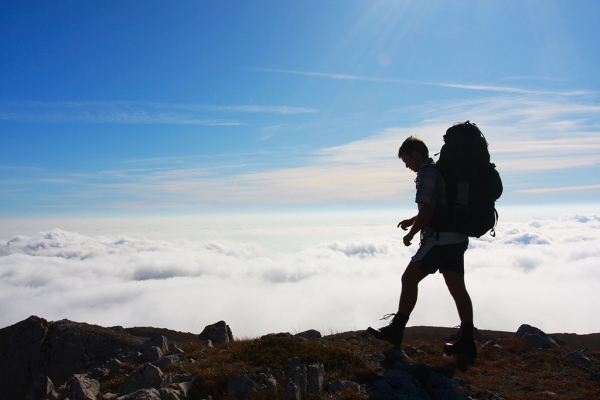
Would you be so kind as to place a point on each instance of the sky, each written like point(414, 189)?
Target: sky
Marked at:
point(232, 137)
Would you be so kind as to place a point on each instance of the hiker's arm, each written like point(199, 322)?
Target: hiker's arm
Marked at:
point(425, 213)
point(407, 223)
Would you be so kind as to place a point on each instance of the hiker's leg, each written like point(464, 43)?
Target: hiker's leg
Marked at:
point(456, 285)
point(410, 287)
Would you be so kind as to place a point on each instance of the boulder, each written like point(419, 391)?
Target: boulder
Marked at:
point(266, 386)
point(20, 356)
point(309, 334)
point(316, 376)
point(535, 336)
point(578, 355)
point(291, 391)
point(42, 389)
point(146, 377)
point(79, 387)
point(217, 333)
point(241, 387)
point(151, 354)
point(142, 394)
point(339, 385)
point(298, 375)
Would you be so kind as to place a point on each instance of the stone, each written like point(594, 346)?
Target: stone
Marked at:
point(146, 377)
point(151, 354)
point(175, 391)
point(42, 388)
point(309, 334)
point(166, 361)
point(536, 337)
point(241, 387)
point(594, 377)
point(298, 375)
point(278, 374)
point(267, 386)
point(316, 376)
point(338, 386)
point(158, 341)
point(291, 391)
point(142, 394)
point(20, 347)
point(217, 333)
point(114, 365)
point(80, 387)
point(578, 355)
point(98, 374)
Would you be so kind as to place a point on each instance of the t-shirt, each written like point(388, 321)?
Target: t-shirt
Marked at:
point(431, 189)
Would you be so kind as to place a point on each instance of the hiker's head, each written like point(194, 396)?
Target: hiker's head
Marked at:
point(413, 152)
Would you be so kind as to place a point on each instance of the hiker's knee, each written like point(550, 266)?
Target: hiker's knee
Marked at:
point(412, 275)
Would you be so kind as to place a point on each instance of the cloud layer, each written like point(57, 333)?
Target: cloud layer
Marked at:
point(542, 272)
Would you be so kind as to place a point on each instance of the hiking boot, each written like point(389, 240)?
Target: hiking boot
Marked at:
point(394, 332)
point(465, 347)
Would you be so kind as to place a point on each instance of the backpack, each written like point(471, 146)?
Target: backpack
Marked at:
point(472, 182)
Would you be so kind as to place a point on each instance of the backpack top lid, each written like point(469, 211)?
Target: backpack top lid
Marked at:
point(464, 144)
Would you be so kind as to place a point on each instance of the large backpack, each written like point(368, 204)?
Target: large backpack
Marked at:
point(472, 182)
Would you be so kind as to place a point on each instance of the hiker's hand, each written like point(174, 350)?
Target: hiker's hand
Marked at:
point(408, 238)
point(407, 223)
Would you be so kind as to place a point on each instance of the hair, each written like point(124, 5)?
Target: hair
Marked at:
point(412, 144)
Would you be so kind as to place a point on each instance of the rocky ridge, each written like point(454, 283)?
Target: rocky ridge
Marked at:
point(69, 360)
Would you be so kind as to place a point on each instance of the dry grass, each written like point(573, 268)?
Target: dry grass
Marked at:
point(512, 371)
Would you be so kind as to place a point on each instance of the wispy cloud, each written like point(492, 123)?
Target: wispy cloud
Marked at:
point(487, 88)
point(559, 189)
point(131, 112)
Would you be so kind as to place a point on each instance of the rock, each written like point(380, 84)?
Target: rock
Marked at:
point(142, 394)
point(537, 338)
point(146, 377)
point(42, 388)
point(217, 333)
point(175, 391)
point(316, 376)
point(78, 387)
point(381, 390)
point(491, 344)
point(309, 334)
point(151, 354)
point(21, 354)
point(291, 391)
point(594, 377)
point(394, 358)
point(98, 374)
point(279, 335)
point(158, 341)
point(278, 374)
point(405, 384)
point(166, 361)
point(241, 387)
point(578, 356)
point(338, 386)
point(114, 365)
point(298, 375)
point(176, 350)
point(267, 386)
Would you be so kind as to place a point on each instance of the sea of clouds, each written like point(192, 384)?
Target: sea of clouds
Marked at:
point(543, 272)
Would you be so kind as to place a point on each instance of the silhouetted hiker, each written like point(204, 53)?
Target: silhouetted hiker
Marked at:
point(440, 249)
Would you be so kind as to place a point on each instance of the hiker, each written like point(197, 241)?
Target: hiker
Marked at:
point(441, 249)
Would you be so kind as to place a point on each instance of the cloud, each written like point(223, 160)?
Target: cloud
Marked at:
point(542, 272)
point(488, 88)
point(134, 112)
point(560, 189)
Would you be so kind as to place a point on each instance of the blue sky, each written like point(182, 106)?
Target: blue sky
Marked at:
point(133, 108)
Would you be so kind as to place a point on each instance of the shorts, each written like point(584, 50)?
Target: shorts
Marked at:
point(434, 257)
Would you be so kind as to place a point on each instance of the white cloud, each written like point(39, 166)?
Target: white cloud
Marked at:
point(542, 272)
point(132, 112)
